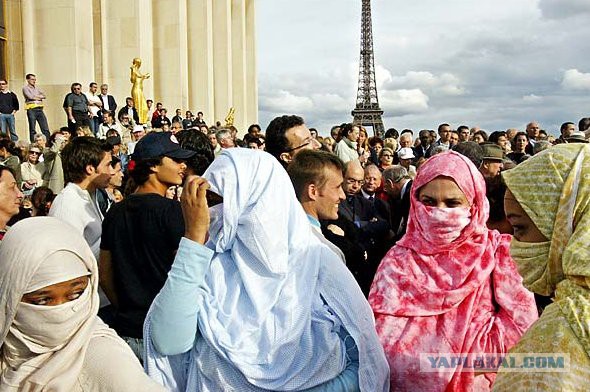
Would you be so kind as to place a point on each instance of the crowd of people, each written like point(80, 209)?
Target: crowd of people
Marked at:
point(286, 261)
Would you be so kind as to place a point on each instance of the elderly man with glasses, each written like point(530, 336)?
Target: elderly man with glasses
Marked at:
point(370, 216)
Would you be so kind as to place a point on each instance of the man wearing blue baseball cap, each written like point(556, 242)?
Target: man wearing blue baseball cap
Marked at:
point(141, 234)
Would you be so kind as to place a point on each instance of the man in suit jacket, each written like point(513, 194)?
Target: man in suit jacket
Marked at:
point(108, 101)
point(130, 110)
point(425, 142)
point(370, 215)
point(532, 130)
point(444, 133)
point(398, 184)
point(367, 213)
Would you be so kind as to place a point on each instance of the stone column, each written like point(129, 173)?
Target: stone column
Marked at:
point(222, 59)
point(170, 70)
point(200, 57)
point(251, 87)
point(57, 47)
point(239, 66)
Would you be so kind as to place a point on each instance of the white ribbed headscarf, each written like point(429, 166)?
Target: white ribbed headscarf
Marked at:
point(42, 348)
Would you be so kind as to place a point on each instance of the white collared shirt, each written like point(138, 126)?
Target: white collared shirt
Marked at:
point(75, 206)
point(403, 191)
point(366, 195)
point(105, 104)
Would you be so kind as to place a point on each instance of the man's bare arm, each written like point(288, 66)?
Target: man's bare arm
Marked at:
point(106, 278)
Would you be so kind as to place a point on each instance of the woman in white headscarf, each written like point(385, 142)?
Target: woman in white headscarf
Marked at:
point(50, 336)
point(265, 305)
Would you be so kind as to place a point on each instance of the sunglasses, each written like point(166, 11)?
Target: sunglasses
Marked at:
point(213, 198)
point(34, 152)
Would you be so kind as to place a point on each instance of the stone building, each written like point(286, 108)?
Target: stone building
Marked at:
point(201, 53)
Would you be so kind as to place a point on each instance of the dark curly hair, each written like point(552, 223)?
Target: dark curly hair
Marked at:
point(199, 142)
point(276, 142)
point(41, 199)
point(81, 152)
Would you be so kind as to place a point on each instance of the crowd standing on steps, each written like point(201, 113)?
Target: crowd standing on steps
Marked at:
point(140, 253)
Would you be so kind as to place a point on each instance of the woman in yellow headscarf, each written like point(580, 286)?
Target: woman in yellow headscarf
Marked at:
point(548, 205)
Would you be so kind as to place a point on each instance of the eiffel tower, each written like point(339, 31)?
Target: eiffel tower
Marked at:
point(367, 111)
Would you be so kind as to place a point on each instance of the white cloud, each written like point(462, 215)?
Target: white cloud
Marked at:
point(414, 78)
point(532, 98)
point(284, 101)
point(561, 9)
point(330, 103)
point(575, 80)
point(382, 76)
point(445, 84)
point(403, 101)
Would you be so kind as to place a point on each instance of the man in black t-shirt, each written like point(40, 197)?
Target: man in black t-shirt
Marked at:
point(141, 234)
point(76, 107)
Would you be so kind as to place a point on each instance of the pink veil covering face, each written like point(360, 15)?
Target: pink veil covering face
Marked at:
point(428, 279)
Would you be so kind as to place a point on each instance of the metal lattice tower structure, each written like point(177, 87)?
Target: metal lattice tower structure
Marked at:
point(367, 111)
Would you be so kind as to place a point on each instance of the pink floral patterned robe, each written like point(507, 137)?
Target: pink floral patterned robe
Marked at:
point(462, 297)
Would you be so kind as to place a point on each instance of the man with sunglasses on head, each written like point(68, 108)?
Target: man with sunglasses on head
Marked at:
point(76, 107)
point(141, 234)
point(286, 136)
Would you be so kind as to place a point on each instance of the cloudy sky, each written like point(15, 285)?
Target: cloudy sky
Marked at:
point(493, 63)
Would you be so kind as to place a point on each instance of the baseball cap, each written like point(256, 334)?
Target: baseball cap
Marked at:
point(138, 128)
point(158, 144)
point(492, 152)
point(405, 153)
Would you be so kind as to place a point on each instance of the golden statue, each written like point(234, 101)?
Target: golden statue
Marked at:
point(229, 119)
point(137, 91)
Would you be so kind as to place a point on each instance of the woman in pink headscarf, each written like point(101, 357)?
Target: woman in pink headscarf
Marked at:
point(449, 286)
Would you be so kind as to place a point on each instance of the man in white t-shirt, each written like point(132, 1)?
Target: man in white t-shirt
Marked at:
point(94, 106)
point(87, 166)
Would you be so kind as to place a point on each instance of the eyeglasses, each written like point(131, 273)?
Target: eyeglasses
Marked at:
point(34, 152)
point(299, 146)
point(306, 142)
point(352, 181)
